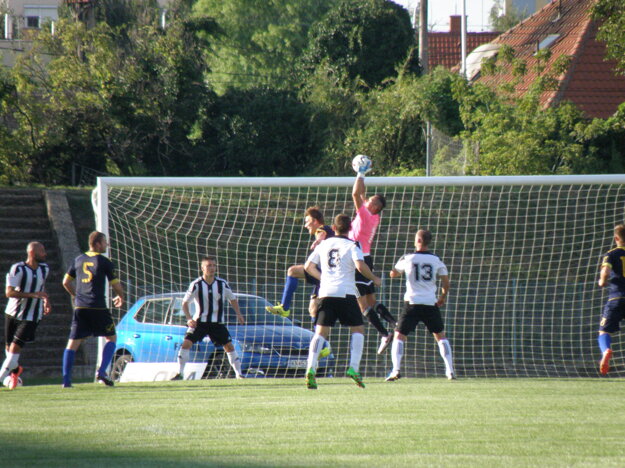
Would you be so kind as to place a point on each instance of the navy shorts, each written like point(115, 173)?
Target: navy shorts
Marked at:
point(343, 309)
point(365, 286)
point(19, 332)
point(613, 313)
point(217, 332)
point(430, 315)
point(91, 322)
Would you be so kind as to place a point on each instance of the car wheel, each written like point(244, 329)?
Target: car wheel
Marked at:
point(119, 365)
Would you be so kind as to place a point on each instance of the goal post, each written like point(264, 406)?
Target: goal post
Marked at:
point(523, 254)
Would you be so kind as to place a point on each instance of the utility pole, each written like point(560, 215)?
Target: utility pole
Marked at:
point(423, 35)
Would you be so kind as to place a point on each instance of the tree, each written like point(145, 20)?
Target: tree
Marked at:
point(367, 39)
point(502, 22)
point(611, 13)
point(258, 41)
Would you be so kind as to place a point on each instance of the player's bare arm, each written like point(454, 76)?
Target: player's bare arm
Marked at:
point(444, 290)
point(311, 269)
point(604, 276)
point(185, 309)
point(394, 273)
point(320, 235)
point(358, 192)
point(14, 293)
point(68, 284)
point(118, 300)
point(235, 305)
point(367, 273)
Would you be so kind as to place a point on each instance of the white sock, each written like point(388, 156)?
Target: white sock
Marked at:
point(235, 362)
point(183, 357)
point(397, 353)
point(355, 351)
point(8, 365)
point(313, 352)
point(445, 349)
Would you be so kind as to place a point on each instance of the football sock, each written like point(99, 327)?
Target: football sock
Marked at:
point(8, 365)
point(397, 353)
point(355, 350)
point(68, 364)
point(183, 357)
point(384, 313)
point(445, 349)
point(374, 320)
point(107, 356)
point(235, 362)
point(605, 342)
point(313, 352)
point(289, 288)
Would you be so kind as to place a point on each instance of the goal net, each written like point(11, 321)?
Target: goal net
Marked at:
point(523, 255)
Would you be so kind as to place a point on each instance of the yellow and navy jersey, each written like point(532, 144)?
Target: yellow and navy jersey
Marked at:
point(327, 229)
point(91, 270)
point(615, 260)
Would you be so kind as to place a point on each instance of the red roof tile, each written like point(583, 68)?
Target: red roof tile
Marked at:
point(590, 82)
point(444, 48)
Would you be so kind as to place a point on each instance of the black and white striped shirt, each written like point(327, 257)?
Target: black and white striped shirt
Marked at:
point(24, 279)
point(210, 299)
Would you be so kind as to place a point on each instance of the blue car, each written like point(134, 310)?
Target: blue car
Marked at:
point(153, 329)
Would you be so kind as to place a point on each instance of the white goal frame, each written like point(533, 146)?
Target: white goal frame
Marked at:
point(104, 184)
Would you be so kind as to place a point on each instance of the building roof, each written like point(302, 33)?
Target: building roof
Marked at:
point(566, 28)
point(444, 47)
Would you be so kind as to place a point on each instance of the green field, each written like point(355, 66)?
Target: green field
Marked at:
point(274, 422)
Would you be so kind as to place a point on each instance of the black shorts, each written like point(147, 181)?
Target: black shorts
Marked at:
point(430, 315)
point(17, 331)
point(365, 286)
point(91, 322)
point(613, 313)
point(345, 309)
point(217, 332)
point(313, 281)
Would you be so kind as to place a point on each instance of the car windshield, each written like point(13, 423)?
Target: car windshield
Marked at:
point(252, 308)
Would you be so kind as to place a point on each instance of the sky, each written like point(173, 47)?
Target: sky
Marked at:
point(440, 10)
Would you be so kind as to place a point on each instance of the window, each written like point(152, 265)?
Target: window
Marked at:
point(154, 311)
point(547, 42)
point(32, 22)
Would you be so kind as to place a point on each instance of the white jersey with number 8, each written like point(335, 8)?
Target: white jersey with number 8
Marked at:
point(337, 258)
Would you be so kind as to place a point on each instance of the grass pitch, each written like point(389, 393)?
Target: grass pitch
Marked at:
point(275, 423)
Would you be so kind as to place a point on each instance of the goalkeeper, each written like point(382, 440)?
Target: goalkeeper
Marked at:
point(363, 230)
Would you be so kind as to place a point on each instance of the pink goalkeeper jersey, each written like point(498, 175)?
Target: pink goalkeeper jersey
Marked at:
point(363, 229)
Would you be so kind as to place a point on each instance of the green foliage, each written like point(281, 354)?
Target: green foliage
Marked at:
point(257, 132)
point(611, 13)
point(366, 39)
point(258, 41)
point(500, 22)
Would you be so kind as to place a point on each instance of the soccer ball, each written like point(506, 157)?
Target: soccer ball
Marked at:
point(361, 164)
point(7, 379)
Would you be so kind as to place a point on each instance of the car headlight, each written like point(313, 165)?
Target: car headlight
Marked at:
point(255, 348)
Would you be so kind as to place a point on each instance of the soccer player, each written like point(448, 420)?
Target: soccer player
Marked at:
point(338, 258)
point(612, 276)
point(364, 227)
point(28, 303)
point(85, 281)
point(313, 222)
point(422, 268)
point(210, 293)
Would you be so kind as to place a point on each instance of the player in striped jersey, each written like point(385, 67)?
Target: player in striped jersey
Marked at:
point(209, 293)
point(313, 222)
point(613, 276)
point(28, 303)
point(85, 281)
point(422, 268)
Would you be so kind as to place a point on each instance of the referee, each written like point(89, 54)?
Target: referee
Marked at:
point(28, 302)
point(85, 281)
